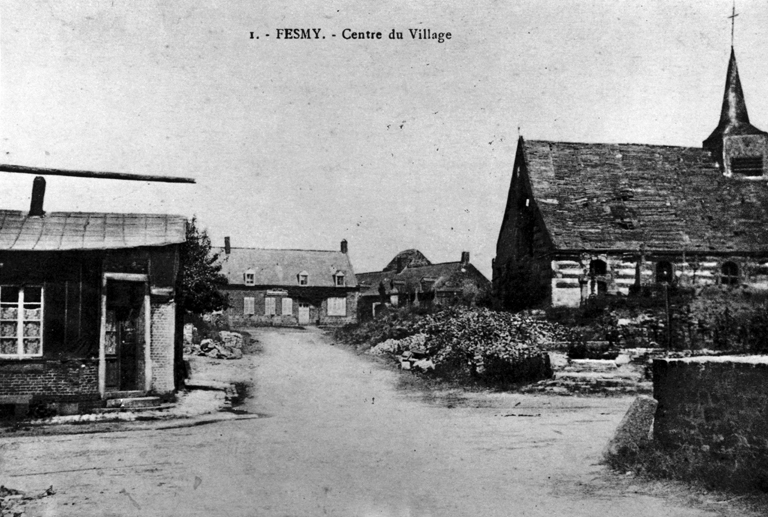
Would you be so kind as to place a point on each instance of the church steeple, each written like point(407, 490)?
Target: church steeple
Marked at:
point(735, 140)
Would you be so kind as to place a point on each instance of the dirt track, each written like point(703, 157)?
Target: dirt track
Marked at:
point(341, 439)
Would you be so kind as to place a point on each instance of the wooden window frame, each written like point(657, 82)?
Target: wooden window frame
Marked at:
point(20, 319)
point(342, 309)
point(249, 300)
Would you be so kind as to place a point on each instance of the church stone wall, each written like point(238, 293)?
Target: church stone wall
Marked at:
point(572, 282)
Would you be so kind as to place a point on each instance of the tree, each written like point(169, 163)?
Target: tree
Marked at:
point(200, 277)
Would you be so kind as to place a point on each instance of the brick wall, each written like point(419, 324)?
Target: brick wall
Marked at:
point(162, 346)
point(714, 405)
point(49, 380)
point(317, 312)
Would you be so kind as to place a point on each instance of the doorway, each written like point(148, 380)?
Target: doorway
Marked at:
point(303, 313)
point(124, 336)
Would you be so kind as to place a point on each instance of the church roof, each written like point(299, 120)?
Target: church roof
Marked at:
point(624, 196)
point(734, 119)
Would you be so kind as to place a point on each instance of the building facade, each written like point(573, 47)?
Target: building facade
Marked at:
point(587, 220)
point(411, 279)
point(289, 287)
point(87, 308)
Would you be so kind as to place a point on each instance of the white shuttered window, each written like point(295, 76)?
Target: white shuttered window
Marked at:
point(249, 305)
point(287, 306)
point(269, 306)
point(337, 306)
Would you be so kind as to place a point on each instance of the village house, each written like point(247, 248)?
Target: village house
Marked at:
point(87, 310)
point(411, 279)
point(588, 220)
point(289, 287)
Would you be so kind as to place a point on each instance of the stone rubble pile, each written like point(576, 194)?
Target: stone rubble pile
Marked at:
point(224, 345)
point(409, 352)
point(12, 501)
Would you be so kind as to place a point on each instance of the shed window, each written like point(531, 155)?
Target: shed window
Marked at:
point(249, 305)
point(747, 165)
point(663, 272)
point(21, 321)
point(250, 277)
point(269, 306)
point(730, 274)
point(337, 306)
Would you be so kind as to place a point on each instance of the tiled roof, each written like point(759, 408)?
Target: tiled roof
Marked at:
point(623, 196)
point(88, 231)
point(282, 267)
point(435, 277)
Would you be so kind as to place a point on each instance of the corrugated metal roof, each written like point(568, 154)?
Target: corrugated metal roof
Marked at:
point(282, 267)
point(88, 231)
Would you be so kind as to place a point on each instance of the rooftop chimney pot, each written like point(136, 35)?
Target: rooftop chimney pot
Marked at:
point(227, 247)
point(38, 195)
point(344, 245)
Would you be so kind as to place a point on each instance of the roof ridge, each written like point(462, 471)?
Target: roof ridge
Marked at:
point(614, 144)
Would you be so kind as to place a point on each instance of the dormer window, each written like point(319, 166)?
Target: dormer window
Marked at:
point(250, 277)
point(338, 279)
point(303, 278)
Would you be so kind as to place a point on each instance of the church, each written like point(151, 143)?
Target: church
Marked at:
point(587, 220)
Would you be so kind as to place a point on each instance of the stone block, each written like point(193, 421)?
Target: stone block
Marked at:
point(635, 428)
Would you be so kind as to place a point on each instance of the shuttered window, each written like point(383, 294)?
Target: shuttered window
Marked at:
point(249, 305)
point(337, 306)
point(269, 306)
point(287, 306)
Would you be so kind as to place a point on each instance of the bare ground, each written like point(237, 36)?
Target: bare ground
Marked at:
point(340, 438)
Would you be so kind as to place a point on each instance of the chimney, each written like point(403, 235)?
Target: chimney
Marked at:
point(227, 247)
point(343, 245)
point(464, 258)
point(38, 195)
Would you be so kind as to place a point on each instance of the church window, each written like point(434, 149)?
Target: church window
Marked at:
point(663, 272)
point(598, 268)
point(729, 274)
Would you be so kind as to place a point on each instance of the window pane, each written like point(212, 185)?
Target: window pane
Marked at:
point(31, 314)
point(8, 329)
point(9, 313)
point(8, 346)
point(32, 295)
point(9, 294)
point(32, 346)
point(269, 306)
point(31, 329)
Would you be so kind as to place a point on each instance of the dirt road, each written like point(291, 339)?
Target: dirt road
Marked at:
point(340, 439)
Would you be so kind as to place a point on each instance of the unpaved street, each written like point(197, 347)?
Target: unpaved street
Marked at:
point(339, 438)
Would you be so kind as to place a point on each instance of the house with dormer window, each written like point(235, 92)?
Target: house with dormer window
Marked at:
point(586, 220)
point(289, 287)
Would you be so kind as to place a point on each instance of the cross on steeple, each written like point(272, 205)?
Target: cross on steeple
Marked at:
point(733, 20)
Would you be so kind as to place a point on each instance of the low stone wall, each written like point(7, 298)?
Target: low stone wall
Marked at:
point(715, 406)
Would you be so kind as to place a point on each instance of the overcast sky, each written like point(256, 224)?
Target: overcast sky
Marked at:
point(389, 144)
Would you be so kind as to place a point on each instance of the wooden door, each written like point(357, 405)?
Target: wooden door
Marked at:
point(123, 338)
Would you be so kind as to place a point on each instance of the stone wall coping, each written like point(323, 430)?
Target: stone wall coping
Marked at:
point(745, 359)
